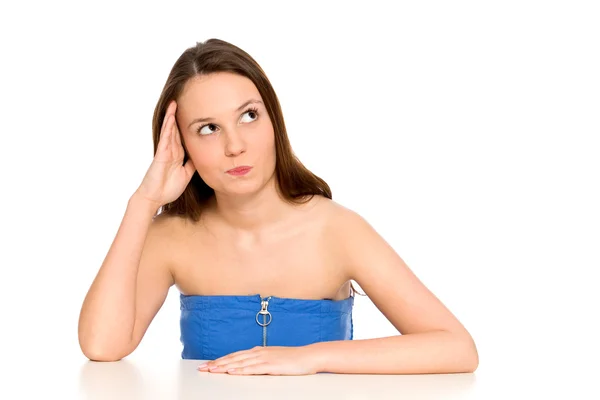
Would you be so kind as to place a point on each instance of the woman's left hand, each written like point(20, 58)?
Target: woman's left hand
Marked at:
point(269, 360)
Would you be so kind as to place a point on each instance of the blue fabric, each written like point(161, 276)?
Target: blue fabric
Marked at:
point(214, 326)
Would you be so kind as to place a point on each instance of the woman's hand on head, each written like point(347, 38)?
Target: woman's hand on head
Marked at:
point(167, 177)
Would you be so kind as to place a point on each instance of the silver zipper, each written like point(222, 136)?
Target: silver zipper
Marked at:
point(264, 304)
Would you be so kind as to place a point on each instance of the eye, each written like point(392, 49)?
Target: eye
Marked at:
point(203, 126)
point(249, 111)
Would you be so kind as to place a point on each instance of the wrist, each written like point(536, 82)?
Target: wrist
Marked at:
point(316, 354)
point(139, 202)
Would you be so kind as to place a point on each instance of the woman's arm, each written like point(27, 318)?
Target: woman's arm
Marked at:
point(432, 339)
point(130, 286)
point(415, 353)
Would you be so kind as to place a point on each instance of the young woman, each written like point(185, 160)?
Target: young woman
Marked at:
point(263, 257)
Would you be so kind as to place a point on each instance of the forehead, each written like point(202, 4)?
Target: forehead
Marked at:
point(219, 92)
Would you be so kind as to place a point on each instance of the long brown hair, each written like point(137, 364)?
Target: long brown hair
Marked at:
point(296, 184)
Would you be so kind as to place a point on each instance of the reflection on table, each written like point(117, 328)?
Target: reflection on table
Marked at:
point(179, 379)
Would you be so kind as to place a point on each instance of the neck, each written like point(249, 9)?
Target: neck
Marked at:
point(251, 215)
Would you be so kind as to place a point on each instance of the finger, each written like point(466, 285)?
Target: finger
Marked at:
point(177, 135)
point(164, 137)
point(261, 368)
point(219, 363)
point(162, 128)
point(177, 131)
point(190, 168)
point(241, 363)
point(176, 149)
point(174, 131)
point(224, 367)
point(225, 359)
point(230, 356)
point(233, 356)
point(170, 107)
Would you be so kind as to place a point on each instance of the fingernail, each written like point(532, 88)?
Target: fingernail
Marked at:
point(202, 365)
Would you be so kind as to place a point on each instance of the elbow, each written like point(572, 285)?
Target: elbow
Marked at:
point(474, 367)
point(103, 353)
point(100, 356)
point(471, 363)
point(471, 356)
point(475, 363)
point(465, 358)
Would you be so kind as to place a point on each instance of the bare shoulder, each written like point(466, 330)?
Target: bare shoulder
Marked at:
point(165, 226)
point(348, 231)
point(341, 224)
point(340, 217)
point(163, 236)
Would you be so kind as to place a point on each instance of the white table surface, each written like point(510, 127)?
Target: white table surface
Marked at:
point(148, 378)
point(181, 380)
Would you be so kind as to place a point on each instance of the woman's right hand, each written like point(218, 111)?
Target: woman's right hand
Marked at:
point(167, 177)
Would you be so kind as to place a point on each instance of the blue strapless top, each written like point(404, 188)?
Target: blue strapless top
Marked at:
point(214, 326)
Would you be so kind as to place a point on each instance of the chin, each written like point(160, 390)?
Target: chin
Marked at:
point(246, 187)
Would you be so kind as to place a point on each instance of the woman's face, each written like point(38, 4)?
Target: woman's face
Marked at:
point(233, 131)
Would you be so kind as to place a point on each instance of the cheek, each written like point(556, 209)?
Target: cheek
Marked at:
point(268, 141)
point(204, 158)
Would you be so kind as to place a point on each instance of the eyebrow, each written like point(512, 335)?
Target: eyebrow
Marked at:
point(251, 101)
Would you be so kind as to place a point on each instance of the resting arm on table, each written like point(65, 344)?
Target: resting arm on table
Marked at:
point(432, 339)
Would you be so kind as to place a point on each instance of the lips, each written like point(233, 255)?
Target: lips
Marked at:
point(237, 170)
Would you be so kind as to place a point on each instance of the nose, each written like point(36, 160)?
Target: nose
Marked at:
point(234, 144)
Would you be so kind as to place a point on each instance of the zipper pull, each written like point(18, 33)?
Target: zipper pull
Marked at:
point(264, 303)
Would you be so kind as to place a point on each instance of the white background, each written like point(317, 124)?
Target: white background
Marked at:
point(465, 132)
